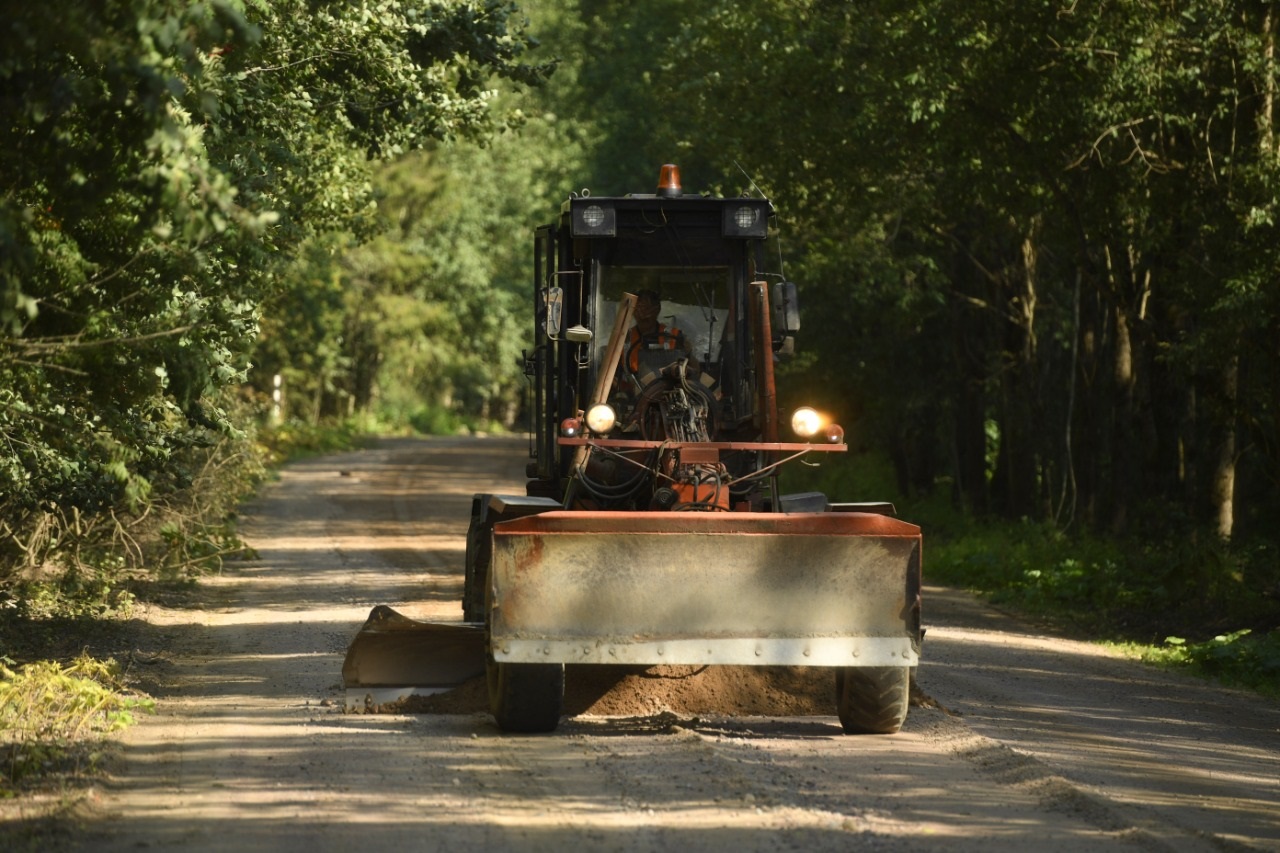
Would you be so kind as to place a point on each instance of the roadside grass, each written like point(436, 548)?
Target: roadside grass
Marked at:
point(54, 717)
point(1202, 610)
point(1185, 602)
point(56, 727)
point(64, 618)
point(1241, 658)
point(296, 439)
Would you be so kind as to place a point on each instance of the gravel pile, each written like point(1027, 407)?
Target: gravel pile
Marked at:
point(613, 691)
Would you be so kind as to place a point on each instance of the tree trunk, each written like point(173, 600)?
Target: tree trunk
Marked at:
point(1064, 511)
point(1123, 447)
point(970, 441)
point(1222, 489)
point(1016, 480)
point(1266, 112)
point(969, 347)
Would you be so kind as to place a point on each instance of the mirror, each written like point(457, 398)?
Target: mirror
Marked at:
point(785, 308)
point(555, 311)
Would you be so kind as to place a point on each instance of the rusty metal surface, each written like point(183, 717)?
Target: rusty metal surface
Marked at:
point(762, 346)
point(697, 454)
point(762, 446)
point(748, 523)
point(825, 589)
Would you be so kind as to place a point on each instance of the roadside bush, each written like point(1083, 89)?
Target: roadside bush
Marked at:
point(1211, 602)
point(849, 476)
point(434, 420)
point(77, 575)
point(295, 439)
point(53, 716)
point(1243, 658)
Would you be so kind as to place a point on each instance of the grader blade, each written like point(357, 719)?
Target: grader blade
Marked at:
point(838, 589)
point(394, 656)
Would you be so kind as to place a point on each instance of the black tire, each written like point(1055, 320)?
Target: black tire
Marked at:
point(525, 697)
point(872, 700)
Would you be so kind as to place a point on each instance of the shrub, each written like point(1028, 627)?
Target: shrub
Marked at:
point(52, 717)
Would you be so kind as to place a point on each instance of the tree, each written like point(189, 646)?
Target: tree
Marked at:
point(163, 163)
point(1046, 231)
point(435, 297)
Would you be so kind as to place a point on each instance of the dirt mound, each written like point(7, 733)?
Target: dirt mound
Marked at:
point(640, 691)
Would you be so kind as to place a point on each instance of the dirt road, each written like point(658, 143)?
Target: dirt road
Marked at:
point(1052, 745)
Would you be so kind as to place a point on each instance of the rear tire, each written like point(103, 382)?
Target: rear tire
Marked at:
point(525, 697)
point(872, 700)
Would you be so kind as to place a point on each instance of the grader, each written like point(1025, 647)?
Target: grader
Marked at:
point(653, 529)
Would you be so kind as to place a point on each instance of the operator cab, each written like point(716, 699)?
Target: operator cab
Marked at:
point(699, 256)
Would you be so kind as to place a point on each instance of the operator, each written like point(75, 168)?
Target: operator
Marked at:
point(649, 334)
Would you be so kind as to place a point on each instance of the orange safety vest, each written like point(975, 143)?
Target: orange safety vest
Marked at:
point(662, 338)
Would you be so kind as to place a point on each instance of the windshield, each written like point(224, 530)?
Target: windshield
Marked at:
point(695, 300)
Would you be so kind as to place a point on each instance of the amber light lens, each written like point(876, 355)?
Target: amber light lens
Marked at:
point(669, 181)
point(571, 427)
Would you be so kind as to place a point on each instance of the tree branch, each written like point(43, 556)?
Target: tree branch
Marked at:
point(71, 342)
point(1093, 149)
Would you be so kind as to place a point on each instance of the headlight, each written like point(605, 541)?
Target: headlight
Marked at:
point(806, 422)
point(746, 218)
point(592, 218)
point(601, 418)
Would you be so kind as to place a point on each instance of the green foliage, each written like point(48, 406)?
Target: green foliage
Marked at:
point(165, 168)
point(421, 307)
point(79, 593)
point(53, 716)
point(1130, 592)
point(1036, 247)
point(433, 421)
point(1242, 658)
point(296, 439)
point(163, 165)
point(1038, 569)
point(856, 475)
point(1051, 220)
point(429, 313)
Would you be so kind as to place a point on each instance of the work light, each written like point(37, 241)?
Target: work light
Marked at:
point(601, 418)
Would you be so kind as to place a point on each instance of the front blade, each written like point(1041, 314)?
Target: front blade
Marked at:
point(808, 589)
point(393, 655)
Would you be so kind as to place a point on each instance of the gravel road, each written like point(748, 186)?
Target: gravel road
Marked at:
point(1028, 741)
